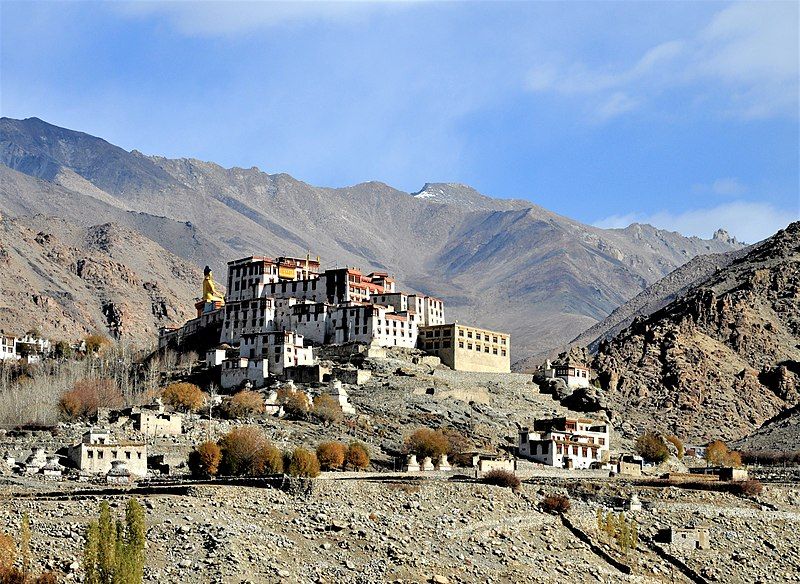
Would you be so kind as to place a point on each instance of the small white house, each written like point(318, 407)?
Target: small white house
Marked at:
point(566, 442)
point(573, 375)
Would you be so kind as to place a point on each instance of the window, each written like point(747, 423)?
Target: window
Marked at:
point(502, 340)
point(460, 344)
point(139, 455)
point(486, 349)
point(127, 454)
point(503, 353)
point(460, 333)
point(494, 350)
point(90, 453)
point(99, 454)
point(445, 344)
point(469, 334)
point(469, 346)
point(494, 339)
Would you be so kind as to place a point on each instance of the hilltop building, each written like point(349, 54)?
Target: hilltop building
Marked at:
point(277, 309)
point(566, 442)
point(572, 374)
point(466, 348)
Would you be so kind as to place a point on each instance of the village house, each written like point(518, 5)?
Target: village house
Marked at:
point(150, 420)
point(689, 538)
point(8, 348)
point(466, 348)
point(96, 451)
point(566, 442)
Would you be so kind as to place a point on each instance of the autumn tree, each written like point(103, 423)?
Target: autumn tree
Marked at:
point(204, 460)
point(268, 460)
point(302, 463)
point(651, 447)
point(426, 442)
point(295, 403)
point(331, 455)
point(183, 396)
point(357, 456)
point(327, 409)
point(96, 343)
point(86, 396)
point(243, 404)
point(718, 454)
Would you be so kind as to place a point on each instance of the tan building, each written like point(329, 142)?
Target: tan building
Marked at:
point(96, 451)
point(467, 348)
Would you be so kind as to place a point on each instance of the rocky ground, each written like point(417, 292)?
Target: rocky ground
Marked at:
point(418, 531)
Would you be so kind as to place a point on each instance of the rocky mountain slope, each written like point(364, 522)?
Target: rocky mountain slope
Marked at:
point(656, 296)
point(719, 360)
point(503, 264)
point(68, 281)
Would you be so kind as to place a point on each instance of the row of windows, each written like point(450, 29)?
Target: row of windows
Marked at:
point(485, 336)
point(114, 454)
point(484, 348)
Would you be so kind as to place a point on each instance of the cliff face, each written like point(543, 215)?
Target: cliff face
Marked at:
point(68, 281)
point(719, 360)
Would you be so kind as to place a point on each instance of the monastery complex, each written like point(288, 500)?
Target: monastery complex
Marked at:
point(277, 310)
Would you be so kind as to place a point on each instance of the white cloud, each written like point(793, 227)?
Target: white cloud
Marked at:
point(722, 186)
point(748, 55)
point(747, 221)
point(231, 17)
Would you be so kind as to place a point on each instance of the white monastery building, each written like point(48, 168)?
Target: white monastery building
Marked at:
point(566, 442)
point(277, 309)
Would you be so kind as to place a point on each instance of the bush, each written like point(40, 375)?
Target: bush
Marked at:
point(327, 409)
point(357, 456)
point(302, 463)
point(183, 396)
point(502, 478)
point(295, 403)
point(8, 551)
point(268, 460)
point(676, 442)
point(86, 396)
point(651, 447)
point(241, 449)
point(331, 455)
point(426, 442)
point(95, 343)
point(750, 488)
point(717, 454)
point(204, 460)
point(243, 404)
point(556, 504)
point(457, 443)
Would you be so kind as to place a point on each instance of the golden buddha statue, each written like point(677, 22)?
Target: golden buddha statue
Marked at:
point(210, 292)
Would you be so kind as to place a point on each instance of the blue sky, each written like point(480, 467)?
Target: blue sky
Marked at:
point(680, 114)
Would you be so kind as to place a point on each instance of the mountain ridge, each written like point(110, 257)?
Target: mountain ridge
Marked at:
point(489, 265)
